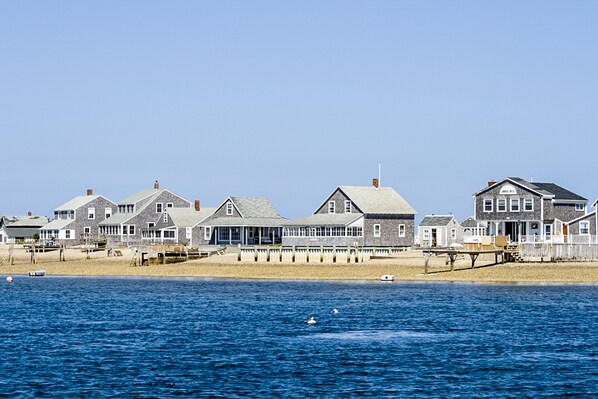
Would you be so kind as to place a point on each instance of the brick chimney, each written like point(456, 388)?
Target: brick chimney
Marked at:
point(89, 191)
point(197, 208)
point(491, 183)
point(156, 185)
point(375, 183)
point(29, 213)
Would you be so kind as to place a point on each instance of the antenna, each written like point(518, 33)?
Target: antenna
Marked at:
point(380, 173)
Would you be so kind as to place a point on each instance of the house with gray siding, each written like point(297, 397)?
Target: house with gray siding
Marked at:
point(140, 212)
point(526, 211)
point(355, 215)
point(473, 230)
point(17, 229)
point(242, 220)
point(439, 231)
point(77, 221)
point(584, 228)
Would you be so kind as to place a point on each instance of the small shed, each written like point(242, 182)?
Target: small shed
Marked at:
point(439, 231)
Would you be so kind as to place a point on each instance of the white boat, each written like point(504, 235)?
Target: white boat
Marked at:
point(387, 277)
point(37, 273)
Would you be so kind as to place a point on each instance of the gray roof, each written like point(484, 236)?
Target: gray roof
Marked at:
point(25, 221)
point(590, 215)
point(432, 220)
point(76, 202)
point(117, 219)
point(382, 200)
point(471, 222)
point(546, 189)
point(140, 195)
point(255, 207)
point(245, 222)
point(21, 232)
point(57, 224)
point(188, 217)
point(326, 219)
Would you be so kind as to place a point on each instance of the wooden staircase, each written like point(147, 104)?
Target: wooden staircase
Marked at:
point(512, 252)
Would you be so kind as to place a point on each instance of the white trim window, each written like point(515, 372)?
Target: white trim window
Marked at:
point(229, 208)
point(501, 205)
point(426, 235)
point(528, 204)
point(132, 230)
point(107, 213)
point(377, 230)
point(488, 205)
point(207, 233)
point(348, 206)
point(331, 206)
point(67, 234)
point(87, 231)
point(401, 230)
point(515, 205)
point(169, 205)
point(91, 213)
point(453, 233)
point(584, 228)
point(580, 207)
point(165, 217)
point(159, 207)
point(548, 230)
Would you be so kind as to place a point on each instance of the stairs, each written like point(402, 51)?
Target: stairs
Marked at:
point(513, 253)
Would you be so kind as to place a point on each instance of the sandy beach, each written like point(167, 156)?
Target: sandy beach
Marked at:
point(407, 266)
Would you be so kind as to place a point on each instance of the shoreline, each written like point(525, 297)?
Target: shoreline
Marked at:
point(406, 267)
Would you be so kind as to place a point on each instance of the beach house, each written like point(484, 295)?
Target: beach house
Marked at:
point(242, 220)
point(18, 229)
point(439, 230)
point(526, 211)
point(355, 215)
point(138, 212)
point(77, 221)
point(584, 228)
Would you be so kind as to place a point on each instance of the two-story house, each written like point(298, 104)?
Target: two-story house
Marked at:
point(356, 215)
point(140, 211)
point(78, 219)
point(526, 211)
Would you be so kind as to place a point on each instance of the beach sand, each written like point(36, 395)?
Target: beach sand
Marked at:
point(407, 266)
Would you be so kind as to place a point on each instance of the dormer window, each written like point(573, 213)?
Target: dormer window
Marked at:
point(331, 206)
point(347, 206)
point(229, 208)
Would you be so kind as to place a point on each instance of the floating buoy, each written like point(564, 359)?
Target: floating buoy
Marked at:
point(9, 279)
point(311, 320)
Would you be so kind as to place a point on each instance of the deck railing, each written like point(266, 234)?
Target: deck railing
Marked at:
point(314, 254)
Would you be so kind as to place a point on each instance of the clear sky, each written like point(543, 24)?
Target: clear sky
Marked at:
point(289, 99)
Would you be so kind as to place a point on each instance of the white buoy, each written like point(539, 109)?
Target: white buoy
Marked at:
point(9, 279)
point(311, 320)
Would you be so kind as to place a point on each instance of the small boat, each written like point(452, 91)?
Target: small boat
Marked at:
point(37, 273)
point(311, 320)
point(387, 277)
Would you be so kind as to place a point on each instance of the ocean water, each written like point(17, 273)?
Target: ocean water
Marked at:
point(194, 338)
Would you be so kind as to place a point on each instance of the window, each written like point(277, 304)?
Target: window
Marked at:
point(159, 207)
point(168, 233)
point(87, 231)
point(347, 206)
point(376, 230)
point(488, 205)
point(453, 234)
point(91, 213)
point(150, 225)
point(169, 205)
point(584, 228)
point(108, 212)
point(165, 218)
point(426, 234)
point(528, 204)
point(501, 205)
point(401, 230)
point(229, 208)
point(131, 230)
point(67, 234)
point(207, 233)
point(331, 205)
point(580, 207)
point(188, 233)
point(514, 204)
point(547, 230)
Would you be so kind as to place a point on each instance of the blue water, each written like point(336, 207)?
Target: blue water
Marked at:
point(166, 338)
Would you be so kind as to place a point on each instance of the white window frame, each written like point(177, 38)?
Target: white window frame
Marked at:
point(548, 230)
point(500, 201)
point(159, 207)
point(488, 201)
point(453, 233)
point(165, 217)
point(515, 201)
point(348, 207)
point(580, 207)
point(584, 228)
point(377, 230)
point(331, 207)
point(528, 201)
point(107, 213)
point(426, 235)
point(86, 231)
point(91, 213)
point(402, 230)
point(207, 233)
point(229, 208)
point(169, 205)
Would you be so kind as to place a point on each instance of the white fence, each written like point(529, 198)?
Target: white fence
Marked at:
point(559, 251)
point(314, 254)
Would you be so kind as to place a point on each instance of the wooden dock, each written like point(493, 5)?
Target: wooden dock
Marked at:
point(453, 253)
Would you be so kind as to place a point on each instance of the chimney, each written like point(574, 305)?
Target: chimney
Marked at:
point(375, 183)
point(156, 185)
point(89, 191)
point(197, 208)
point(491, 183)
point(29, 213)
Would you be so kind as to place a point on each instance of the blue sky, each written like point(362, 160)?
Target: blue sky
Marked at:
point(289, 99)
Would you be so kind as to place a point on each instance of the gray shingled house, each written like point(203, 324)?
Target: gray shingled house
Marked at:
point(241, 220)
point(527, 211)
point(362, 215)
point(584, 228)
point(78, 219)
point(179, 226)
point(473, 230)
point(16, 229)
point(138, 212)
point(440, 230)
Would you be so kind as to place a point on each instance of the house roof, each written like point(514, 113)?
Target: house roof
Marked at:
point(117, 219)
point(471, 222)
point(188, 217)
point(326, 219)
point(18, 232)
point(25, 221)
point(586, 216)
point(440, 220)
point(57, 224)
point(382, 200)
point(76, 202)
point(140, 195)
point(245, 222)
point(546, 189)
point(255, 207)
